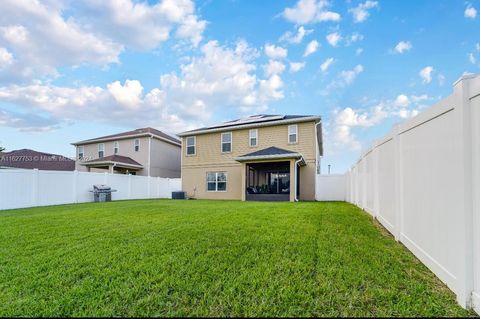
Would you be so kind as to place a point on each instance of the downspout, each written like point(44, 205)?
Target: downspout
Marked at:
point(317, 168)
point(149, 152)
point(296, 176)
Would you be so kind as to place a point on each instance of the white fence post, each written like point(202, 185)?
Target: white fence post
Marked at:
point(35, 198)
point(129, 191)
point(75, 187)
point(397, 182)
point(463, 127)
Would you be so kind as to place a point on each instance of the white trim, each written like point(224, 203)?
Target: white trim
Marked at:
point(135, 145)
point(194, 145)
point(82, 152)
point(221, 142)
point(253, 125)
point(296, 134)
point(149, 155)
point(250, 137)
point(102, 150)
point(116, 145)
point(476, 301)
point(216, 181)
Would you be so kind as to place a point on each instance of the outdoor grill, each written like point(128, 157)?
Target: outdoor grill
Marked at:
point(102, 193)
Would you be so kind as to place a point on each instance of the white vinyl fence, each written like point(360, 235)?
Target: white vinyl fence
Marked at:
point(422, 182)
point(331, 188)
point(29, 188)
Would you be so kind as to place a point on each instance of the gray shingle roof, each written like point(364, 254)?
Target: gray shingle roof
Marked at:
point(146, 130)
point(30, 159)
point(254, 119)
point(116, 159)
point(269, 151)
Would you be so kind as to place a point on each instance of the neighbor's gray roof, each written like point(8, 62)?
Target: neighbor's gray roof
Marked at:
point(135, 133)
point(114, 159)
point(254, 120)
point(30, 159)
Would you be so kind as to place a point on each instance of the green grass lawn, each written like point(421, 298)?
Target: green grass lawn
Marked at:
point(210, 258)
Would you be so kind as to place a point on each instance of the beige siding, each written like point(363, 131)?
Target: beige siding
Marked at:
point(209, 157)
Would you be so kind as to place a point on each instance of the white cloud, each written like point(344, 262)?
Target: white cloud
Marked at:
point(311, 48)
point(334, 38)
point(43, 40)
point(471, 58)
point(360, 13)
point(477, 47)
point(470, 12)
point(46, 35)
point(402, 101)
point(343, 79)
point(139, 24)
point(275, 52)
point(359, 51)
point(441, 79)
point(296, 66)
point(296, 38)
point(326, 64)
point(273, 67)
point(346, 120)
point(310, 11)
point(402, 47)
point(219, 77)
point(426, 74)
point(27, 122)
point(354, 37)
point(128, 95)
point(6, 58)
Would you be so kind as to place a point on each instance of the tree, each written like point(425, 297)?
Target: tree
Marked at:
point(2, 149)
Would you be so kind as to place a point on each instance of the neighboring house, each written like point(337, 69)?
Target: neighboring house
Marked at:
point(145, 151)
point(262, 157)
point(30, 159)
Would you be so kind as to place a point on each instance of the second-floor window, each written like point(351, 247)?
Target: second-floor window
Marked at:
point(253, 137)
point(137, 145)
point(226, 142)
point(101, 150)
point(81, 152)
point(292, 134)
point(116, 147)
point(191, 145)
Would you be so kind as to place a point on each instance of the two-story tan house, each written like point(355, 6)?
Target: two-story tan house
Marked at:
point(261, 157)
point(145, 151)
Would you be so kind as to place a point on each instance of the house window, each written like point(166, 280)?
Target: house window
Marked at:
point(253, 137)
point(226, 142)
point(216, 182)
point(191, 145)
point(81, 152)
point(101, 150)
point(116, 147)
point(137, 145)
point(292, 134)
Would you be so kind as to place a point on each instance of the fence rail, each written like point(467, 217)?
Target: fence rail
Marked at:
point(29, 188)
point(422, 182)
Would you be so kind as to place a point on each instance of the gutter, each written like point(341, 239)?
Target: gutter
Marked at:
point(266, 157)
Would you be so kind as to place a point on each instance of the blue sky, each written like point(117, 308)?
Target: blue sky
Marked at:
point(72, 70)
